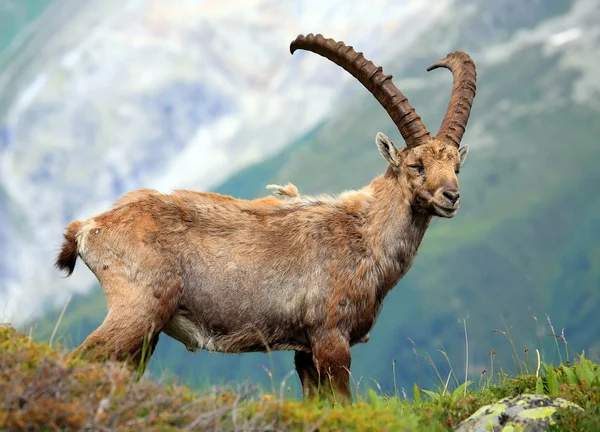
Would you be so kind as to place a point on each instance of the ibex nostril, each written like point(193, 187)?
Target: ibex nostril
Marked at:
point(452, 196)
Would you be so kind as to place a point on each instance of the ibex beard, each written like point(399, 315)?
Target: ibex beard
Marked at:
point(307, 274)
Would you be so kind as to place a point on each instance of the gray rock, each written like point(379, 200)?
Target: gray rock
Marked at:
point(528, 412)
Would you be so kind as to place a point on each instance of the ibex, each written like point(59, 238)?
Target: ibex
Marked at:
point(302, 273)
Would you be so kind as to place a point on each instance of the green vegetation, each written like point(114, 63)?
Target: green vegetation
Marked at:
point(43, 388)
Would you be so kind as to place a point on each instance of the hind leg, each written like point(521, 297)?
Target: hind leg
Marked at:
point(123, 336)
point(136, 316)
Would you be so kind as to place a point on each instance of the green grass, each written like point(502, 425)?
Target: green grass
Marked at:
point(45, 389)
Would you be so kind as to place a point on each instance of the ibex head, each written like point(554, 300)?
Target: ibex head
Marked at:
point(429, 171)
point(428, 165)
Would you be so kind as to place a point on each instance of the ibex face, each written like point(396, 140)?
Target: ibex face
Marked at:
point(428, 171)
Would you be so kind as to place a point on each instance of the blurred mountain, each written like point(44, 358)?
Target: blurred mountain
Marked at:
point(526, 234)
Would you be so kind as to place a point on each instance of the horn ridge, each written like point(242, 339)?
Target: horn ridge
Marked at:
point(372, 77)
point(464, 88)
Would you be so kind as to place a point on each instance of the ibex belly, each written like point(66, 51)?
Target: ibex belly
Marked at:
point(196, 336)
point(190, 334)
point(240, 311)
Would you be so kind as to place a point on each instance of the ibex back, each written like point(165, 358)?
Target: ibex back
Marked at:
point(302, 273)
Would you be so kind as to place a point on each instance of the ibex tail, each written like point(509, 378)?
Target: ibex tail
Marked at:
point(68, 253)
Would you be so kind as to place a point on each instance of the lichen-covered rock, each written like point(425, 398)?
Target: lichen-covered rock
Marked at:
point(527, 413)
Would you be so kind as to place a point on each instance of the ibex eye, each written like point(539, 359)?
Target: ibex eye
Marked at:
point(418, 167)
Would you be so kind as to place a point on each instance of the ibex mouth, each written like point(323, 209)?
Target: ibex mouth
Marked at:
point(446, 212)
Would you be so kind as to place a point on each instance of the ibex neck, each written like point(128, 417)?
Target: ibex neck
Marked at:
point(396, 228)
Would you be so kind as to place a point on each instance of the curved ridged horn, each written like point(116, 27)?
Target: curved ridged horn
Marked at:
point(463, 92)
point(372, 77)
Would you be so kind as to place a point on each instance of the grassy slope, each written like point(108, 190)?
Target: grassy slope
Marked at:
point(42, 388)
point(525, 236)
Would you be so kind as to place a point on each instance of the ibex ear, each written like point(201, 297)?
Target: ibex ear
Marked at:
point(387, 148)
point(462, 152)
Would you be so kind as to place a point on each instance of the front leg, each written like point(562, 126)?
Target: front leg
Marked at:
point(326, 373)
point(331, 356)
point(307, 372)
